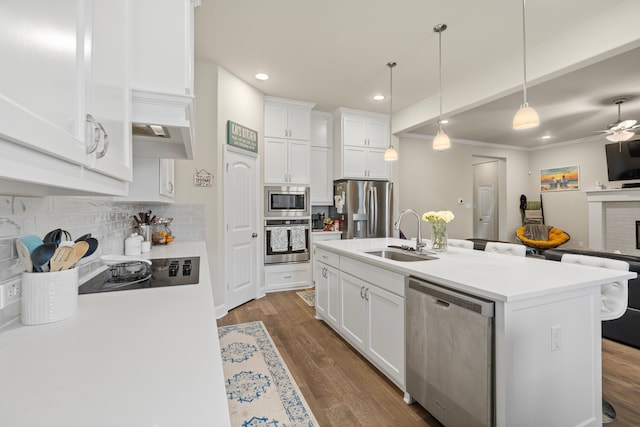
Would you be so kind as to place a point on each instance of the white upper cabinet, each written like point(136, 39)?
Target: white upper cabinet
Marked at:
point(107, 95)
point(162, 78)
point(321, 129)
point(153, 181)
point(42, 76)
point(286, 161)
point(287, 125)
point(64, 97)
point(321, 184)
point(361, 140)
point(162, 34)
point(284, 118)
point(365, 129)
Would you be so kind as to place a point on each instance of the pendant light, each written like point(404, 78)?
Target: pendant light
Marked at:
point(526, 117)
point(441, 141)
point(391, 154)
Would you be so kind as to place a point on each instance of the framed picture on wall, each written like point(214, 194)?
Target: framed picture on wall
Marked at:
point(564, 178)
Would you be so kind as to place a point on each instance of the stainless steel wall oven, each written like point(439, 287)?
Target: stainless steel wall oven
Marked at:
point(287, 240)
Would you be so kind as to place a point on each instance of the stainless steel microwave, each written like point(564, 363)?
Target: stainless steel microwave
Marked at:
point(285, 201)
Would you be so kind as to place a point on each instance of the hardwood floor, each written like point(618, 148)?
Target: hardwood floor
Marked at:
point(621, 381)
point(344, 389)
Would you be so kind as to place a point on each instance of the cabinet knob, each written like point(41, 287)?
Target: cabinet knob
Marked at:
point(254, 235)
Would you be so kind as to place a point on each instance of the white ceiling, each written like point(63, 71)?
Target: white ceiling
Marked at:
point(334, 53)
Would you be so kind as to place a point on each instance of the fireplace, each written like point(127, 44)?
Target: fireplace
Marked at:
point(613, 220)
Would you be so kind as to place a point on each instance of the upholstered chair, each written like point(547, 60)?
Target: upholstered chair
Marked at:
point(506, 248)
point(614, 298)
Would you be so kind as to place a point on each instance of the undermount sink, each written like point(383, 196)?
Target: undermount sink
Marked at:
point(400, 255)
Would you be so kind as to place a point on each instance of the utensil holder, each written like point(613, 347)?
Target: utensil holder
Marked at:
point(49, 297)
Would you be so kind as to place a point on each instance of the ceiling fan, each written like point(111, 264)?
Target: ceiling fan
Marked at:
point(621, 130)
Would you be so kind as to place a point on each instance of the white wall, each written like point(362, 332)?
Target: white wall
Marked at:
point(567, 210)
point(204, 157)
point(220, 96)
point(430, 180)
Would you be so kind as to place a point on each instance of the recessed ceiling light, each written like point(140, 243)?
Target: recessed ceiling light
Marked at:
point(443, 121)
point(546, 137)
point(262, 76)
point(378, 97)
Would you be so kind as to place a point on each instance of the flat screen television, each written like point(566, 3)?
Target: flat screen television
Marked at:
point(623, 160)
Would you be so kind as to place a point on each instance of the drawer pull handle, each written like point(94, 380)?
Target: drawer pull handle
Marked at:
point(287, 277)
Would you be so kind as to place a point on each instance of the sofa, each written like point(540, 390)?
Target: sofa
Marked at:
point(625, 329)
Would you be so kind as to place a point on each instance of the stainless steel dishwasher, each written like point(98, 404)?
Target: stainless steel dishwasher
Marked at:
point(449, 351)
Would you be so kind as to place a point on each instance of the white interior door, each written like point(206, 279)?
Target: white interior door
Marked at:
point(486, 181)
point(240, 206)
point(485, 197)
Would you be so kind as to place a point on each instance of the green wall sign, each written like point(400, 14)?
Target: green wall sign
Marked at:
point(242, 137)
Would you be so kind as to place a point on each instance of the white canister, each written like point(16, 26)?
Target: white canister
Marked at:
point(49, 297)
point(133, 244)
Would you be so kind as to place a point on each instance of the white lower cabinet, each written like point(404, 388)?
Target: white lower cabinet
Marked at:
point(281, 277)
point(372, 319)
point(371, 310)
point(327, 286)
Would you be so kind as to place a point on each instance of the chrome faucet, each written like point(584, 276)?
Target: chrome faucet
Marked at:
point(419, 243)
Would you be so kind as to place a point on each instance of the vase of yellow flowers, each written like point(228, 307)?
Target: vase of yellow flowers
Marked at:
point(439, 221)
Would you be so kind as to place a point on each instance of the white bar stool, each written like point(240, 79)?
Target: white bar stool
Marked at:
point(459, 243)
point(506, 248)
point(614, 298)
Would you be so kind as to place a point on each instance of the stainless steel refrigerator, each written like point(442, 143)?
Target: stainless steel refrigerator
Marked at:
point(365, 208)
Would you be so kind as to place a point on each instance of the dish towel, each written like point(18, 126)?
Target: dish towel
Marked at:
point(279, 239)
point(298, 238)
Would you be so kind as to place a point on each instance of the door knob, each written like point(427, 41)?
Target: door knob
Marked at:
point(254, 235)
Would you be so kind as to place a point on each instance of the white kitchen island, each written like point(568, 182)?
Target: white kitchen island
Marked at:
point(146, 357)
point(536, 384)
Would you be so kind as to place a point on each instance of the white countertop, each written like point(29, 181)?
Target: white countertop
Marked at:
point(145, 357)
point(493, 276)
point(326, 232)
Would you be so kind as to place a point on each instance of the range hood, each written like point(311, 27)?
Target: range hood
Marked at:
point(162, 125)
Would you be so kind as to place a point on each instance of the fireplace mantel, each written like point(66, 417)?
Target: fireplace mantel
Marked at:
point(595, 202)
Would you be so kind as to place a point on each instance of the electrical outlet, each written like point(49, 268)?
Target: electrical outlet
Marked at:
point(10, 292)
point(556, 337)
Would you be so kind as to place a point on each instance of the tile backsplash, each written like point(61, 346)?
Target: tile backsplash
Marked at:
point(109, 222)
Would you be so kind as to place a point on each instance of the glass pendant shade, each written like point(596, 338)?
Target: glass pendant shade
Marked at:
point(441, 141)
point(525, 118)
point(391, 154)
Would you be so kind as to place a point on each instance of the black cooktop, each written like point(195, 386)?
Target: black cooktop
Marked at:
point(139, 275)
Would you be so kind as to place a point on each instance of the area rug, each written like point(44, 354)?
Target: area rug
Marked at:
point(308, 296)
point(260, 388)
